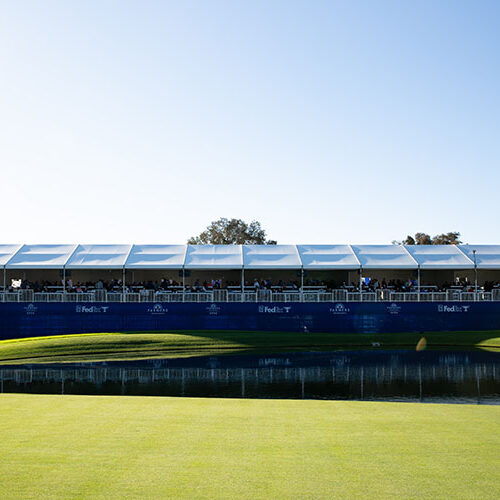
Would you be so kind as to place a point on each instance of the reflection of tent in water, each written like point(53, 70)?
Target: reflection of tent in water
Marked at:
point(384, 375)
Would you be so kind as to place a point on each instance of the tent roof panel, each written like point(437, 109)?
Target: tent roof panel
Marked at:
point(252, 256)
point(439, 257)
point(99, 257)
point(327, 257)
point(271, 256)
point(41, 257)
point(6, 253)
point(156, 257)
point(487, 256)
point(214, 257)
point(384, 257)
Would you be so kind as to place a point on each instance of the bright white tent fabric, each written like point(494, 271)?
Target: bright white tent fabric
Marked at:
point(156, 257)
point(384, 257)
point(99, 257)
point(439, 257)
point(214, 257)
point(271, 257)
point(41, 257)
point(7, 252)
point(487, 256)
point(324, 257)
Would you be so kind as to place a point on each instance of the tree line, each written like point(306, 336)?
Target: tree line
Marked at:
point(452, 238)
point(237, 232)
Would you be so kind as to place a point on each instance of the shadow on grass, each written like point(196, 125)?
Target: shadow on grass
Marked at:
point(169, 344)
point(252, 339)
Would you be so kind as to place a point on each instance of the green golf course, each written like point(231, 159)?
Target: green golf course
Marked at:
point(133, 345)
point(69, 447)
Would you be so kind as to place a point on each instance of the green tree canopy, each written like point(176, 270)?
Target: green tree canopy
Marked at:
point(451, 238)
point(232, 232)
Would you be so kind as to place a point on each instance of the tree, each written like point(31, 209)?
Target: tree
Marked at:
point(232, 232)
point(422, 239)
point(452, 238)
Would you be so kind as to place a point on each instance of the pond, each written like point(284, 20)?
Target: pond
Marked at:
point(384, 375)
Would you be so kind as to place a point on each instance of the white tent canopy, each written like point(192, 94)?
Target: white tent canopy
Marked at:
point(384, 257)
point(321, 257)
point(7, 252)
point(214, 257)
point(99, 257)
point(41, 257)
point(486, 256)
point(271, 257)
point(440, 257)
point(156, 257)
point(324, 257)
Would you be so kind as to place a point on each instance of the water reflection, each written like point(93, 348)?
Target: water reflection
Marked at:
point(361, 375)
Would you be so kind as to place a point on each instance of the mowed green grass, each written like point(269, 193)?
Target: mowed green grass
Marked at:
point(74, 447)
point(120, 346)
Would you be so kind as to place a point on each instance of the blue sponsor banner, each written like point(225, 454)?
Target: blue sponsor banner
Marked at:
point(34, 319)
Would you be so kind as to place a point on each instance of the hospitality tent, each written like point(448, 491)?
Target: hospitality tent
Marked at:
point(333, 264)
point(386, 262)
point(149, 262)
point(275, 262)
point(38, 263)
point(440, 263)
point(96, 262)
point(352, 257)
point(486, 259)
point(6, 253)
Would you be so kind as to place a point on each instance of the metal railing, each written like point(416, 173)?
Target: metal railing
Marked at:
point(259, 296)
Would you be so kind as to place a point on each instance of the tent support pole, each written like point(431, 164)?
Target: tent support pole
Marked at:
point(4, 279)
point(242, 284)
point(418, 282)
point(64, 279)
point(123, 281)
point(360, 282)
point(302, 284)
point(475, 273)
point(183, 284)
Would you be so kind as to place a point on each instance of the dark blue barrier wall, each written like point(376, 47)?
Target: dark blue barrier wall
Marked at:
point(25, 320)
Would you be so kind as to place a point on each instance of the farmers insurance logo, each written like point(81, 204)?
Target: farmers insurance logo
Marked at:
point(213, 309)
point(274, 310)
point(31, 309)
point(339, 309)
point(91, 309)
point(158, 309)
point(393, 309)
point(452, 309)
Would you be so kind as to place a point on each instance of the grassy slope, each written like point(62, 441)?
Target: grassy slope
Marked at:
point(133, 447)
point(108, 346)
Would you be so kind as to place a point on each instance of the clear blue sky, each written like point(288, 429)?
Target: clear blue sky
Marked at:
point(329, 122)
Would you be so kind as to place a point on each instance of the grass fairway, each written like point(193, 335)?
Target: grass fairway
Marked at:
point(66, 447)
point(123, 346)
